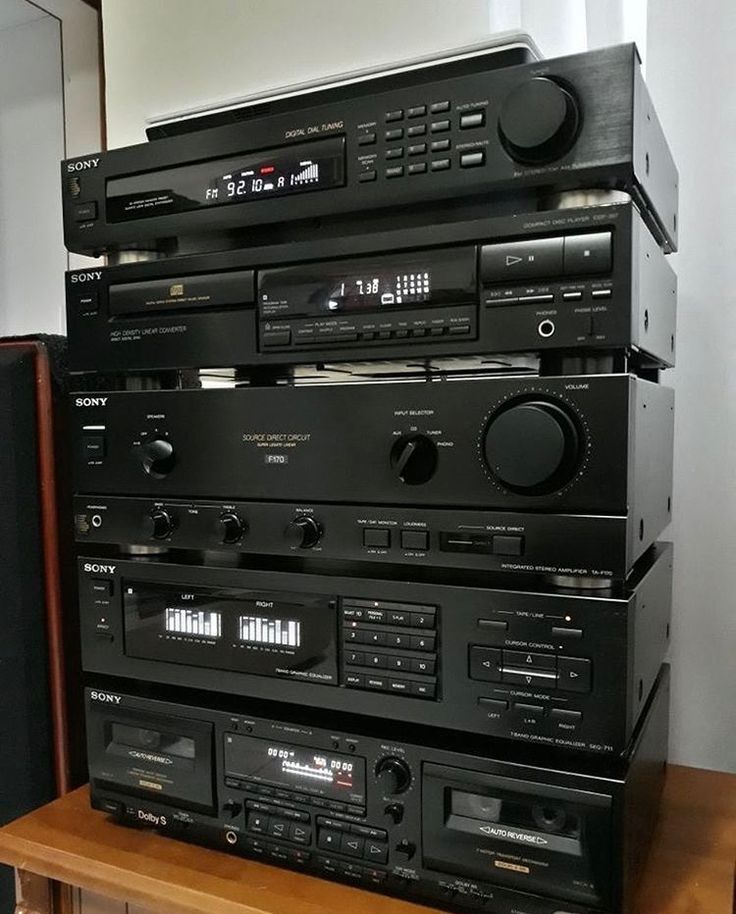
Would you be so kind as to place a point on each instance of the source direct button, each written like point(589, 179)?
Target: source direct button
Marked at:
point(377, 538)
point(521, 260)
point(415, 539)
point(484, 664)
point(508, 545)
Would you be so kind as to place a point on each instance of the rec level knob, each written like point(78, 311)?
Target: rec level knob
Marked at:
point(539, 121)
point(159, 525)
point(393, 774)
point(414, 459)
point(304, 532)
point(231, 526)
point(532, 447)
point(157, 457)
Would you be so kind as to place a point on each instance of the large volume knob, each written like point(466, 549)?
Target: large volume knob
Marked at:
point(539, 121)
point(532, 447)
point(231, 526)
point(414, 459)
point(303, 531)
point(393, 774)
point(157, 457)
point(159, 524)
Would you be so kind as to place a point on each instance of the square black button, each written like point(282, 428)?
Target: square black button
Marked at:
point(415, 539)
point(378, 538)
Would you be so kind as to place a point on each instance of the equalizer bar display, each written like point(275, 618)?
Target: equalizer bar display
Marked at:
point(193, 622)
point(260, 630)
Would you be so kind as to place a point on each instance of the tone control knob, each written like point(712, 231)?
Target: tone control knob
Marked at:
point(304, 532)
point(157, 457)
point(159, 524)
point(231, 526)
point(539, 121)
point(393, 774)
point(414, 459)
point(532, 447)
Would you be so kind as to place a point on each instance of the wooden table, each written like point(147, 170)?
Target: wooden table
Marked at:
point(690, 869)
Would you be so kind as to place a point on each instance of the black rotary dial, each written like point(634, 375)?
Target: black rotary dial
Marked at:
point(231, 527)
point(393, 774)
point(157, 457)
point(539, 121)
point(533, 446)
point(303, 531)
point(159, 524)
point(414, 459)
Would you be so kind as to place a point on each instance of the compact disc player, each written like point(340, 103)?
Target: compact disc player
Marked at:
point(394, 811)
point(560, 668)
point(381, 150)
point(587, 279)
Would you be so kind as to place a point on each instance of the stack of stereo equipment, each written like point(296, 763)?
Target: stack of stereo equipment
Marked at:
point(371, 464)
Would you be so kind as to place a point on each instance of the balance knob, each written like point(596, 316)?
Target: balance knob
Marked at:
point(539, 121)
point(532, 447)
point(157, 457)
point(303, 532)
point(393, 774)
point(232, 527)
point(414, 459)
point(159, 525)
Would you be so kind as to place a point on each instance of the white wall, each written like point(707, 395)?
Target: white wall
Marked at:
point(690, 70)
point(163, 56)
point(32, 255)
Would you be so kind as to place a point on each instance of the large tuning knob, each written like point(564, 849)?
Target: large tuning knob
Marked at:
point(303, 531)
point(532, 447)
point(414, 459)
point(393, 774)
point(539, 121)
point(157, 457)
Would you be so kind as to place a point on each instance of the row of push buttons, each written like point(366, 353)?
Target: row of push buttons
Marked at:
point(562, 719)
point(280, 797)
point(387, 612)
point(545, 297)
point(360, 842)
point(351, 872)
point(411, 687)
point(341, 335)
point(467, 160)
point(294, 856)
point(529, 668)
point(357, 634)
point(424, 666)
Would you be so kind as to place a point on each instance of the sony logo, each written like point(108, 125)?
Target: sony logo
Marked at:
point(150, 817)
point(85, 277)
point(94, 568)
point(107, 697)
point(495, 832)
point(91, 401)
point(149, 757)
point(82, 165)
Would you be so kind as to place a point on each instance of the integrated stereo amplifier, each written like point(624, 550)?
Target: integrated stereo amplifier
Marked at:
point(333, 161)
point(560, 668)
point(392, 811)
point(369, 471)
point(583, 279)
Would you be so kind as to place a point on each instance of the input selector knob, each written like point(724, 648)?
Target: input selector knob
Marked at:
point(232, 527)
point(159, 524)
point(532, 447)
point(539, 121)
point(414, 459)
point(303, 531)
point(393, 774)
point(157, 457)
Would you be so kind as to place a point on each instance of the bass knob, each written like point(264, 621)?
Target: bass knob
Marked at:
point(393, 774)
point(232, 527)
point(532, 447)
point(414, 459)
point(304, 532)
point(157, 457)
point(539, 121)
point(159, 525)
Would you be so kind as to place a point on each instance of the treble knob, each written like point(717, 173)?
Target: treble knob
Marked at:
point(232, 527)
point(159, 525)
point(303, 532)
point(539, 121)
point(157, 457)
point(414, 459)
point(393, 774)
point(532, 446)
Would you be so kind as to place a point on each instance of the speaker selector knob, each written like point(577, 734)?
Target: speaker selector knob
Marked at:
point(414, 459)
point(539, 121)
point(303, 531)
point(159, 524)
point(393, 774)
point(157, 457)
point(532, 447)
point(231, 527)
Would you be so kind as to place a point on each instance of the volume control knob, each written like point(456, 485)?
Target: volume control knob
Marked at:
point(303, 531)
point(157, 457)
point(539, 121)
point(159, 524)
point(393, 774)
